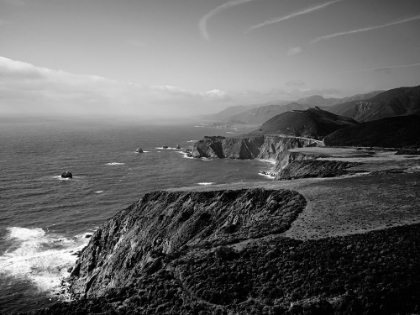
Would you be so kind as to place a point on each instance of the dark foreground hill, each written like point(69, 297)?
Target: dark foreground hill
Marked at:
point(399, 101)
point(312, 122)
point(227, 252)
point(391, 132)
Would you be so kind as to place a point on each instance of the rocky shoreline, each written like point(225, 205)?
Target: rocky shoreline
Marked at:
point(228, 251)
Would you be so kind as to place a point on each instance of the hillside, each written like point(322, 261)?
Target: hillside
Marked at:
point(391, 132)
point(399, 101)
point(312, 122)
point(262, 114)
point(316, 249)
point(230, 111)
point(317, 100)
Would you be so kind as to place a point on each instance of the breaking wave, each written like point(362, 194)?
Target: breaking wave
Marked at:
point(39, 257)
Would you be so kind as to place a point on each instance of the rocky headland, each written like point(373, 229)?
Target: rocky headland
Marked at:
point(308, 246)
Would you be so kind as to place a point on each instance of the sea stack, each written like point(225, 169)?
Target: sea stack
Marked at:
point(67, 174)
point(178, 146)
point(139, 150)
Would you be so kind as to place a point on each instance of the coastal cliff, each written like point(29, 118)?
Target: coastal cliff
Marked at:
point(226, 252)
point(163, 225)
point(260, 147)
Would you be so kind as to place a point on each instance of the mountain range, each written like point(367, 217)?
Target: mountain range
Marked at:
point(360, 107)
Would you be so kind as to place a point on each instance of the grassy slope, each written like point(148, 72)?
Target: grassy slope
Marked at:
point(391, 132)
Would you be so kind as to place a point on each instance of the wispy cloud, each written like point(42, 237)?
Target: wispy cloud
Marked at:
point(381, 69)
point(203, 21)
point(366, 29)
point(290, 16)
point(25, 88)
point(294, 51)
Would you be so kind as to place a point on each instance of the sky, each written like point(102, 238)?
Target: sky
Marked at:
point(174, 58)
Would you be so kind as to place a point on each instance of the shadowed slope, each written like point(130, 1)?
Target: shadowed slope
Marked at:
point(391, 132)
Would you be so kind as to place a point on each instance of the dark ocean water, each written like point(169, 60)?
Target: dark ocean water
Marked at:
point(44, 219)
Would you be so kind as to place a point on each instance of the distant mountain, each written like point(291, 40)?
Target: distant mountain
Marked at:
point(390, 132)
point(312, 122)
point(262, 114)
point(259, 113)
point(317, 100)
point(395, 102)
point(230, 111)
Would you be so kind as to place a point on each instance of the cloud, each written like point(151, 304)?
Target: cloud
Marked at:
point(25, 88)
point(295, 84)
point(381, 69)
point(290, 16)
point(294, 51)
point(203, 21)
point(366, 29)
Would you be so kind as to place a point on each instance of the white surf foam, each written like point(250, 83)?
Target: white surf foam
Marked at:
point(61, 178)
point(39, 257)
point(192, 140)
point(168, 148)
point(99, 192)
point(206, 183)
point(185, 155)
point(268, 161)
point(114, 163)
point(265, 175)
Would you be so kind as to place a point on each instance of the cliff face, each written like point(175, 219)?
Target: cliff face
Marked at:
point(261, 147)
point(163, 225)
point(223, 252)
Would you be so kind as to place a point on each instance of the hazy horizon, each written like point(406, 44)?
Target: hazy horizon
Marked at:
point(182, 58)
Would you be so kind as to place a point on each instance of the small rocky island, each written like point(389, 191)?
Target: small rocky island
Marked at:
point(67, 174)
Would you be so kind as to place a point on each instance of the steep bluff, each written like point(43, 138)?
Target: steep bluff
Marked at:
point(261, 147)
point(229, 256)
point(144, 237)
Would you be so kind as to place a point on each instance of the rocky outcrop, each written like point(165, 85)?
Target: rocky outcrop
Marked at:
point(261, 147)
point(310, 167)
point(139, 150)
point(162, 225)
point(368, 273)
point(67, 174)
point(232, 148)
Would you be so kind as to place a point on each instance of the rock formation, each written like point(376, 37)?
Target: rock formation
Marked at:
point(225, 252)
point(141, 238)
point(67, 174)
point(139, 150)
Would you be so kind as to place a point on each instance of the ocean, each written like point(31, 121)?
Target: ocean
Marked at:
point(45, 220)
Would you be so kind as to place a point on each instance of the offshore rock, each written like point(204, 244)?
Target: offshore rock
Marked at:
point(139, 150)
point(67, 174)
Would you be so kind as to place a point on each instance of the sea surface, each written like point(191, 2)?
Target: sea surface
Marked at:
point(45, 220)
